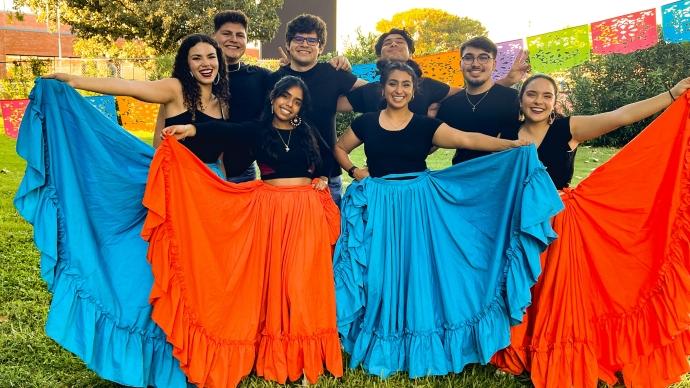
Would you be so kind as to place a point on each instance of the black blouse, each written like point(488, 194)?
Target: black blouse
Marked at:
point(202, 148)
point(290, 158)
point(395, 152)
point(555, 153)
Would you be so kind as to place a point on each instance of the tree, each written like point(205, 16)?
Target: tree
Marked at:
point(362, 50)
point(433, 30)
point(607, 82)
point(158, 23)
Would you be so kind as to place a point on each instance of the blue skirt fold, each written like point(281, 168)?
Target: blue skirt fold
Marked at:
point(82, 191)
point(432, 271)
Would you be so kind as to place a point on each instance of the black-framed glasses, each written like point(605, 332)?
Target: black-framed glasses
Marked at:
point(481, 58)
point(310, 41)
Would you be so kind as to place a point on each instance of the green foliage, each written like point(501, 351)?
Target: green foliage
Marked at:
point(607, 82)
point(362, 50)
point(434, 30)
point(158, 23)
point(20, 77)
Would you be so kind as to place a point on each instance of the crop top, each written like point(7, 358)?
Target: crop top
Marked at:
point(555, 153)
point(199, 146)
point(395, 152)
point(287, 163)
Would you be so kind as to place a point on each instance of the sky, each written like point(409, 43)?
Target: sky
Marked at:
point(505, 20)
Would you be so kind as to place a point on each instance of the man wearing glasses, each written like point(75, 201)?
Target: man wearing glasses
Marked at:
point(483, 106)
point(306, 39)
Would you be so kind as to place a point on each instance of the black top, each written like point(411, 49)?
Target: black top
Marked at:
point(496, 114)
point(555, 153)
point(395, 152)
point(325, 86)
point(248, 85)
point(368, 98)
point(292, 163)
point(202, 148)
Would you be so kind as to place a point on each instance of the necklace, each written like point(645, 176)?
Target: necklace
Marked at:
point(474, 106)
point(399, 125)
point(287, 145)
point(233, 69)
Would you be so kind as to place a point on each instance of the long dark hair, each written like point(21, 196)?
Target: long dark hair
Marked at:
point(191, 92)
point(304, 134)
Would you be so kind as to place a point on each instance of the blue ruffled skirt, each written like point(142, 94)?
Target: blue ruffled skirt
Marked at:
point(432, 271)
point(82, 192)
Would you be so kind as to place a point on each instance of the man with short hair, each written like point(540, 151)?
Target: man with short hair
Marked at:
point(396, 45)
point(305, 41)
point(483, 106)
point(248, 84)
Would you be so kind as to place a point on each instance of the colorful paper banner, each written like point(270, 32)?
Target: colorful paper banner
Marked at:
point(559, 50)
point(507, 53)
point(12, 113)
point(137, 115)
point(366, 71)
point(625, 34)
point(105, 104)
point(676, 21)
point(444, 67)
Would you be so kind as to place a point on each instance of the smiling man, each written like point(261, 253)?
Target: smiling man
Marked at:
point(483, 106)
point(305, 41)
point(396, 45)
point(248, 84)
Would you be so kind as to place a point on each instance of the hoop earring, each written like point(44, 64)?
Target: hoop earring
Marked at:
point(215, 81)
point(191, 74)
point(271, 107)
point(521, 116)
point(296, 121)
point(552, 117)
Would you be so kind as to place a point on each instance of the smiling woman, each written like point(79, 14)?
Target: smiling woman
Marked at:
point(196, 92)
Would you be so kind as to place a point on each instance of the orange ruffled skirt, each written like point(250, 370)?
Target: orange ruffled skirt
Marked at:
point(614, 294)
point(243, 275)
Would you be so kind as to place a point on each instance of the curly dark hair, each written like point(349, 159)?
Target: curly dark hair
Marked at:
point(304, 134)
point(406, 35)
point(191, 92)
point(304, 24)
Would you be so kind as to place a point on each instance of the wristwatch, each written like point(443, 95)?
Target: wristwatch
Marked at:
point(351, 171)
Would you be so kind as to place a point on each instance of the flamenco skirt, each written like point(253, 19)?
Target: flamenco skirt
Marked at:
point(614, 295)
point(431, 272)
point(243, 273)
point(82, 191)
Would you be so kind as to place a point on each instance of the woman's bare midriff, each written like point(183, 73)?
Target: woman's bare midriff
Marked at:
point(288, 181)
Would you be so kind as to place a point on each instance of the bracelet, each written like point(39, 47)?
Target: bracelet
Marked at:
point(351, 171)
point(671, 94)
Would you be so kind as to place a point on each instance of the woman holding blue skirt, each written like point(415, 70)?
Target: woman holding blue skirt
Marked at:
point(432, 268)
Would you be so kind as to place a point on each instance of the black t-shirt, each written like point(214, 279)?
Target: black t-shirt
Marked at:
point(395, 152)
point(555, 153)
point(368, 98)
point(248, 86)
point(281, 162)
point(496, 114)
point(204, 149)
point(325, 85)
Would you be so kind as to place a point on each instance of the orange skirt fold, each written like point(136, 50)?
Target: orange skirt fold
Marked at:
point(243, 279)
point(614, 294)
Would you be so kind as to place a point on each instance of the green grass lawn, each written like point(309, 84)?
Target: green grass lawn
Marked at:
point(30, 359)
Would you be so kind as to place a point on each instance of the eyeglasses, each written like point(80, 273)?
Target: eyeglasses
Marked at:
point(310, 41)
point(481, 58)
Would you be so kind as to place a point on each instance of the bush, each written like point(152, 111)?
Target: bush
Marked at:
point(607, 82)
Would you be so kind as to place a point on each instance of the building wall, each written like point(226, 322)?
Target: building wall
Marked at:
point(28, 37)
point(325, 9)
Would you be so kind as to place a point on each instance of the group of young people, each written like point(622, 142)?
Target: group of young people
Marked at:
point(415, 270)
